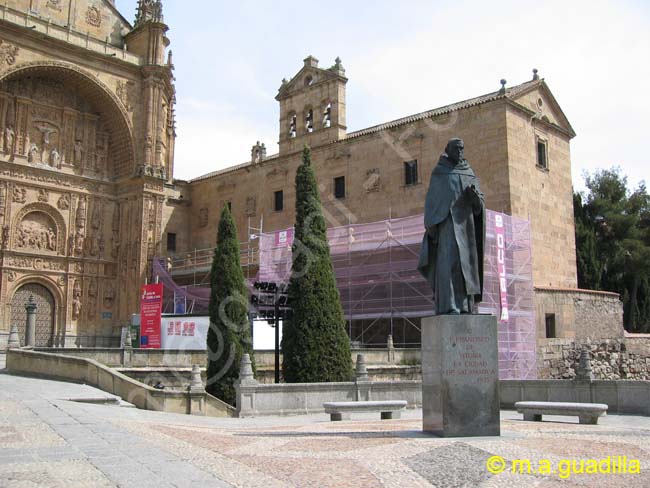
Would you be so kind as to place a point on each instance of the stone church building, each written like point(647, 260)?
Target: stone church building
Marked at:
point(87, 195)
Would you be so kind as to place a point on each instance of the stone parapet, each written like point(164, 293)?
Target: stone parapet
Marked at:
point(87, 371)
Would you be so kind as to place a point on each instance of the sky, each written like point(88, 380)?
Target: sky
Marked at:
point(407, 57)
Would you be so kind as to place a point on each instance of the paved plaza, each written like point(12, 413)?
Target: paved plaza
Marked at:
point(47, 440)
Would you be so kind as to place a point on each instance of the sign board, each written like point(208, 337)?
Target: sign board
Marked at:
point(185, 333)
point(284, 238)
point(150, 314)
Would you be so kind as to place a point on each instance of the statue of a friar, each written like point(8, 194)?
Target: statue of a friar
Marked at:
point(451, 257)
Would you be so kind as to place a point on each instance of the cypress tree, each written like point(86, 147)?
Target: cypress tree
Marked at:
point(229, 333)
point(315, 344)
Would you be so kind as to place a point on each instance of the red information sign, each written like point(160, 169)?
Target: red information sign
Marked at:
point(150, 312)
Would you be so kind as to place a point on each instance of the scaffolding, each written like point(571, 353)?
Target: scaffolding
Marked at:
point(381, 291)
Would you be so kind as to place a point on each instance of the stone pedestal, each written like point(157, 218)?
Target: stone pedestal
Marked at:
point(460, 376)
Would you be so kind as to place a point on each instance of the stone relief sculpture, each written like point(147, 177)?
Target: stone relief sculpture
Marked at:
point(55, 158)
point(71, 245)
point(78, 154)
point(27, 145)
point(37, 232)
point(80, 222)
point(109, 296)
point(94, 245)
point(134, 253)
point(8, 53)
point(93, 17)
point(32, 155)
point(43, 195)
point(3, 197)
point(115, 228)
point(76, 308)
point(55, 5)
point(152, 214)
point(5, 237)
point(64, 202)
point(19, 195)
point(92, 297)
point(9, 140)
point(95, 221)
point(373, 179)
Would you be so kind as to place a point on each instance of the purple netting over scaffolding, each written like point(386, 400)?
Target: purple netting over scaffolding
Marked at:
point(375, 268)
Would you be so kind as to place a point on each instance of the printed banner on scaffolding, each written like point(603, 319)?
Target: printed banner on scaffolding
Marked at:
point(500, 232)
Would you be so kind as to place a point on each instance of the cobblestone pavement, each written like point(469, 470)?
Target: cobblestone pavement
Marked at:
point(46, 440)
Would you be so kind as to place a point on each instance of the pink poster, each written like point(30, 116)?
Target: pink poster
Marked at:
point(501, 264)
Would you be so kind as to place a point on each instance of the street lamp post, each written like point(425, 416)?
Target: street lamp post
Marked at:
point(273, 312)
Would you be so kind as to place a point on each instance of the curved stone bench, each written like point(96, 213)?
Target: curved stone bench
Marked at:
point(588, 413)
point(389, 409)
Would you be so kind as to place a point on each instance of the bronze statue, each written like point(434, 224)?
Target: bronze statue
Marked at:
point(451, 257)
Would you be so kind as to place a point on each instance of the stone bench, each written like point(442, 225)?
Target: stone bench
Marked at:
point(588, 413)
point(341, 410)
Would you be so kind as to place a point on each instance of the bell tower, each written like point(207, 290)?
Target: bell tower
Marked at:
point(312, 106)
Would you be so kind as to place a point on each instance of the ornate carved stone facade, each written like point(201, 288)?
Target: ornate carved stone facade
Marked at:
point(81, 195)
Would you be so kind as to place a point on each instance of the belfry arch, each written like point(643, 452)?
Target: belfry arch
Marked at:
point(104, 104)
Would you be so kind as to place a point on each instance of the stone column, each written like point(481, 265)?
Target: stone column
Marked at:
point(30, 329)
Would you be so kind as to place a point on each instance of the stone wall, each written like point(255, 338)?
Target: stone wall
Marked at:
point(580, 314)
point(611, 359)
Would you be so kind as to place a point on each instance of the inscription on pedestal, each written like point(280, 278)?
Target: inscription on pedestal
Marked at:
point(469, 362)
point(460, 377)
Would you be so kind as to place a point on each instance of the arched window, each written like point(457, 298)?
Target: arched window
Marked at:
point(309, 120)
point(327, 115)
point(292, 125)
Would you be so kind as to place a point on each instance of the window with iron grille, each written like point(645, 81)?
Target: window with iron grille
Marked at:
point(339, 187)
point(411, 172)
point(171, 242)
point(542, 154)
point(278, 200)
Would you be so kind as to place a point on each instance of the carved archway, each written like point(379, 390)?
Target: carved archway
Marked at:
point(104, 101)
point(45, 312)
point(19, 230)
